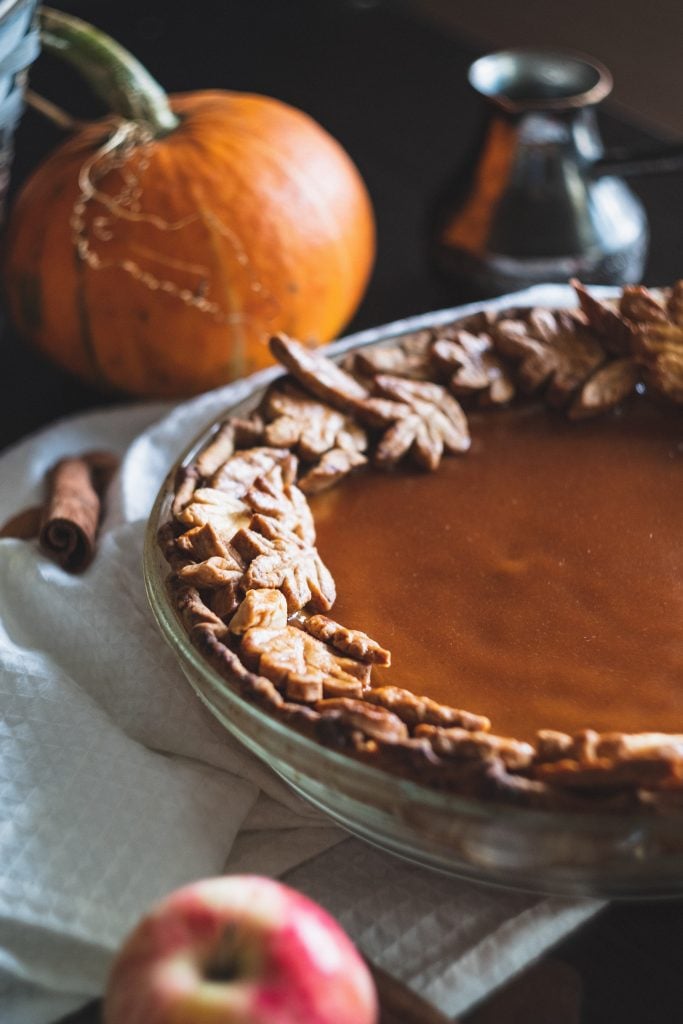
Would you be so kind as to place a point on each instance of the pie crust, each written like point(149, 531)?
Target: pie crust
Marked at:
point(254, 594)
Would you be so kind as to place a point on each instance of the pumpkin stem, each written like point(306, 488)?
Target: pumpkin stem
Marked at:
point(112, 72)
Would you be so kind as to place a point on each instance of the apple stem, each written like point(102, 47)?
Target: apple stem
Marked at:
point(224, 961)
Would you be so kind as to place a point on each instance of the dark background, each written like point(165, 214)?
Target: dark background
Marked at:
point(392, 89)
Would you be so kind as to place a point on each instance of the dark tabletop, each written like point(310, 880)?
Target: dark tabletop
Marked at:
point(393, 91)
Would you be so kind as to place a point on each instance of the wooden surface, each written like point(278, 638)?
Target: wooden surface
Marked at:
point(393, 91)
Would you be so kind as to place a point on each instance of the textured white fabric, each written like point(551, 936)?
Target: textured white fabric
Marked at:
point(116, 785)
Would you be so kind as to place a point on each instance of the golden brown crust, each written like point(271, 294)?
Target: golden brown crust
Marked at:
point(415, 710)
point(350, 641)
point(251, 589)
point(477, 746)
point(474, 367)
point(412, 358)
point(607, 387)
point(332, 467)
point(371, 721)
point(435, 423)
point(278, 559)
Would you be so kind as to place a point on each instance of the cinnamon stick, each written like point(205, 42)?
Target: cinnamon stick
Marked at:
point(68, 522)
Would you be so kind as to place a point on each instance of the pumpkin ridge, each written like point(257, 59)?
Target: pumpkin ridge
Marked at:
point(233, 311)
point(186, 183)
point(313, 199)
point(87, 338)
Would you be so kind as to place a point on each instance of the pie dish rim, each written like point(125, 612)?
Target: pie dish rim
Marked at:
point(598, 862)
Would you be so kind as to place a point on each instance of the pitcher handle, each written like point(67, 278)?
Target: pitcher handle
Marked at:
point(626, 161)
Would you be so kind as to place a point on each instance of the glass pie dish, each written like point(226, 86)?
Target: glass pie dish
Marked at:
point(587, 853)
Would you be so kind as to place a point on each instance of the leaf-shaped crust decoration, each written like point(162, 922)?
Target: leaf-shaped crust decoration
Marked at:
point(332, 467)
point(608, 386)
point(324, 379)
point(282, 561)
point(301, 666)
point(674, 304)
point(224, 512)
point(319, 376)
point(474, 366)
point(411, 358)
point(295, 420)
point(639, 305)
point(418, 710)
point(607, 320)
point(555, 351)
point(202, 542)
point(265, 609)
point(213, 573)
point(274, 496)
point(220, 575)
point(241, 470)
point(321, 435)
point(350, 641)
point(375, 722)
point(436, 423)
point(462, 744)
point(660, 352)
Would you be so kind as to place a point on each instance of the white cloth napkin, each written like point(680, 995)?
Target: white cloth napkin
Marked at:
point(116, 786)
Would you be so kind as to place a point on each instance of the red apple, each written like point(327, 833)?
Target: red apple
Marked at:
point(239, 950)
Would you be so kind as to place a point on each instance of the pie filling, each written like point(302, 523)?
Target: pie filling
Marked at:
point(529, 587)
point(538, 580)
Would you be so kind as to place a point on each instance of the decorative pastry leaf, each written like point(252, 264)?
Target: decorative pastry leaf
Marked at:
point(334, 441)
point(659, 349)
point(411, 358)
point(265, 609)
point(223, 511)
point(475, 367)
point(318, 375)
point(218, 451)
point(327, 381)
point(674, 304)
point(477, 746)
point(297, 421)
point(418, 710)
point(186, 480)
point(435, 423)
point(270, 495)
point(608, 386)
point(555, 351)
point(619, 745)
point(202, 542)
point(375, 722)
point(639, 305)
point(223, 575)
point(214, 572)
point(350, 641)
point(282, 561)
point(604, 317)
point(332, 467)
point(301, 666)
point(242, 469)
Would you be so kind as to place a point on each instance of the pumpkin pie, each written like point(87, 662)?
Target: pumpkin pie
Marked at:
point(496, 502)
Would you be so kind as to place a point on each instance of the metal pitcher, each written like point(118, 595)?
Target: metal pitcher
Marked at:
point(542, 201)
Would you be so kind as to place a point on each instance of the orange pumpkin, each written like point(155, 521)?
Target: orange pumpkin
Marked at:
point(156, 254)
